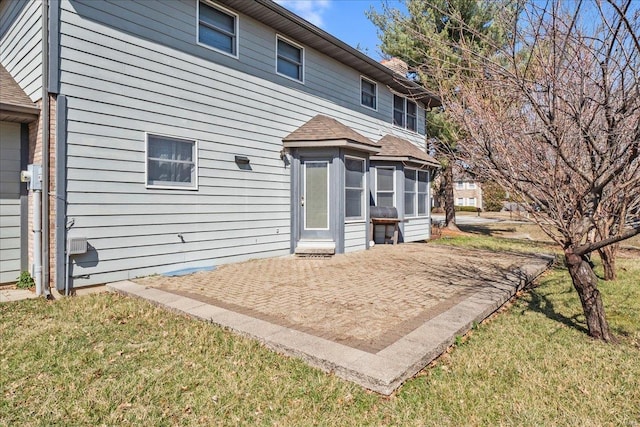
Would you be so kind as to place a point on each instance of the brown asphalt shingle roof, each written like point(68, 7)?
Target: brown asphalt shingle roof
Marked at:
point(10, 92)
point(15, 105)
point(323, 128)
point(392, 146)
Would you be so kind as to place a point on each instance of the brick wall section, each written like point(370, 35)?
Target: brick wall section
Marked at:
point(35, 157)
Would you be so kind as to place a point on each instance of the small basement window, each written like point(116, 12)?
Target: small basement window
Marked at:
point(171, 162)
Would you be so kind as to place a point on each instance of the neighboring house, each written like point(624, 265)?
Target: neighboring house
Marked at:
point(186, 133)
point(466, 190)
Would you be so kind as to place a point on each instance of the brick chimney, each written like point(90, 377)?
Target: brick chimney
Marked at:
point(397, 65)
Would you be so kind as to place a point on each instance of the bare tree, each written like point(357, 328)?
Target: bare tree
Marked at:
point(554, 118)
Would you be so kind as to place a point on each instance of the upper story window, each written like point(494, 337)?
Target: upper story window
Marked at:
point(398, 111)
point(218, 28)
point(385, 186)
point(471, 185)
point(171, 162)
point(354, 188)
point(412, 116)
point(405, 113)
point(459, 185)
point(368, 93)
point(290, 59)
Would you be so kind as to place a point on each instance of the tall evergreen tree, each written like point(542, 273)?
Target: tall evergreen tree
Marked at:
point(478, 23)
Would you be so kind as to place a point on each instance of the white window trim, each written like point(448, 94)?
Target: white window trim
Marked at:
point(236, 28)
point(194, 186)
point(471, 185)
point(395, 192)
point(375, 85)
point(459, 185)
point(348, 220)
point(302, 54)
point(304, 213)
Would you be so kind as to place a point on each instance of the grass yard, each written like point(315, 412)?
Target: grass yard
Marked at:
point(109, 360)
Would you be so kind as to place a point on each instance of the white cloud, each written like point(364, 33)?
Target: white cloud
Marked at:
point(311, 10)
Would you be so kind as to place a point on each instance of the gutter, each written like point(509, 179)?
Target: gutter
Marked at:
point(45, 149)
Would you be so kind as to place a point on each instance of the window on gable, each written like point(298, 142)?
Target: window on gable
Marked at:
point(290, 60)
point(412, 116)
point(368, 93)
point(171, 162)
point(385, 187)
point(217, 28)
point(398, 111)
point(354, 188)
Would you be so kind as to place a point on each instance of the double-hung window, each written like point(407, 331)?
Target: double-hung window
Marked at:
point(290, 59)
point(368, 93)
point(171, 162)
point(354, 188)
point(412, 116)
point(385, 187)
point(423, 192)
point(217, 28)
point(398, 111)
point(459, 185)
point(405, 113)
point(409, 192)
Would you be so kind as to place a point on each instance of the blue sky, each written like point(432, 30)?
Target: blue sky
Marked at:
point(344, 19)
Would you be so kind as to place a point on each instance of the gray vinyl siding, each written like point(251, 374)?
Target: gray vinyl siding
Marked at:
point(10, 220)
point(355, 236)
point(21, 44)
point(143, 72)
point(416, 229)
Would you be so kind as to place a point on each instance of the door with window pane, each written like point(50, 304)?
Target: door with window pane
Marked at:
point(314, 203)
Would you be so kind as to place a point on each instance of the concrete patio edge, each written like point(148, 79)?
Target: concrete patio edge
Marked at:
point(382, 372)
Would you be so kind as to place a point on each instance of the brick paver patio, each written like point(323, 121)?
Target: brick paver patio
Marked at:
point(365, 300)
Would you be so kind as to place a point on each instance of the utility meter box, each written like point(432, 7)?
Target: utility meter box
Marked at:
point(32, 176)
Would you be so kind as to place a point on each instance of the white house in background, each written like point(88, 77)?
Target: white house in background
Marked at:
point(191, 133)
point(467, 191)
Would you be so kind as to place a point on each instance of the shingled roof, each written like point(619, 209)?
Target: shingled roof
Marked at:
point(323, 131)
point(398, 149)
point(15, 105)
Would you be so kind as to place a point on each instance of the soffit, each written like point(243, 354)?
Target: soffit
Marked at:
point(291, 25)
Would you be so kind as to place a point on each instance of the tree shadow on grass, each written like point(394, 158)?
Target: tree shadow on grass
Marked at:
point(542, 304)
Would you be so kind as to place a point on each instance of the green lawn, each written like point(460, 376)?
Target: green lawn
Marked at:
point(109, 360)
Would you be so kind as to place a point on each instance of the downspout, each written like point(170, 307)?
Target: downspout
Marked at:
point(45, 148)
